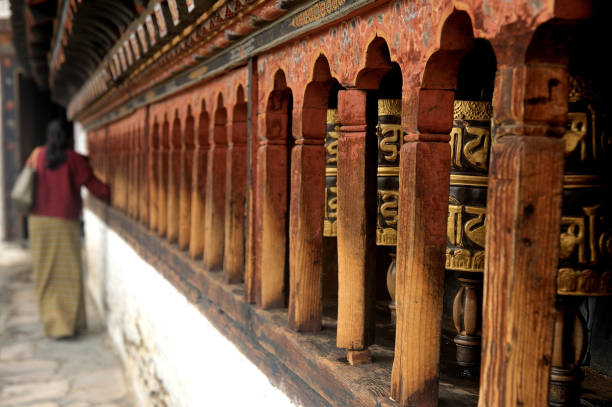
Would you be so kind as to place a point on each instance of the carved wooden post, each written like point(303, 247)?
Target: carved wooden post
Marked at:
point(233, 257)
point(133, 172)
point(519, 294)
point(421, 237)
point(174, 180)
point(271, 221)
point(162, 196)
point(214, 227)
point(153, 177)
point(523, 222)
point(198, 187)
point(187, 148)
point(306, 233)
point(270, 233)
point(251, 285)
point(356, 230)
point(144, 159)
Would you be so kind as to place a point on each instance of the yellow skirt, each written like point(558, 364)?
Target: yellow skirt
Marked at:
point(58, 275)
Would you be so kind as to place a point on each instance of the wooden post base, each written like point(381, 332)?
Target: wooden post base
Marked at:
point(358, 357)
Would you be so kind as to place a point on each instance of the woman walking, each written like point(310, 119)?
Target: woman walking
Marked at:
point(55, 236)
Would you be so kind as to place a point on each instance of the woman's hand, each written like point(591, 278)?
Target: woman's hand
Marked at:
point(31, 162)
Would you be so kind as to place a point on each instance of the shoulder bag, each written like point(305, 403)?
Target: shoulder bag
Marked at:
point(23, 193)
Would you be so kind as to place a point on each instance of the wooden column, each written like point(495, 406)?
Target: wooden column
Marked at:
point(271, 221)
point(153, 176)
point(162, 195)
point(251, 284)
point(356, 230)
point(174, 181)
point(214, 218)
point(306, 223)
point(421, 240)
point(523, 222)
point(235, 187)
point(423, 203)
point(144, 180)
point(198, 188)
point(134, 190)
point(186, 166)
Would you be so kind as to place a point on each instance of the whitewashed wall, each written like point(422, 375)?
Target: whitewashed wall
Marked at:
point(172, 353)
point(2, 180)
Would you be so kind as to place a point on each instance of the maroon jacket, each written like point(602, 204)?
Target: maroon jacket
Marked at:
point(58, 190)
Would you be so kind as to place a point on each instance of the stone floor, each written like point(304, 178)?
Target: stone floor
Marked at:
point(39, 372)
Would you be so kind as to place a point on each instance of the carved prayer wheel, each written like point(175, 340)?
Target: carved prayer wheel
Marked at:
point(585, 252)
point(389, 133)
point(331, 173)
point(465, 245)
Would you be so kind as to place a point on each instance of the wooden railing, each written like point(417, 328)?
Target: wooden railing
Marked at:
point(238, 180)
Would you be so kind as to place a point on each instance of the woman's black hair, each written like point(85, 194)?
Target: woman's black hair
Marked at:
point(57, 142)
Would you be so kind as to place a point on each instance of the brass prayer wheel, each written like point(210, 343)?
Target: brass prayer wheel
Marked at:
point(470, 147)
point(585, 241)
point(585, 255)
point(470, 142)
point(389, 133)
point(331, 173)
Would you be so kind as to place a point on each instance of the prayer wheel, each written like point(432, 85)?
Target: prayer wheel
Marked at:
point(331, 174)
point(389, 134)
point(585, 251)
point(470, 144)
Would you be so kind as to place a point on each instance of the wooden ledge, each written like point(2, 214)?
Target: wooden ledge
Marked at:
point(306, 366)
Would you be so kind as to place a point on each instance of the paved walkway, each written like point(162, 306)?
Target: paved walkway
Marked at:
point(39, 372)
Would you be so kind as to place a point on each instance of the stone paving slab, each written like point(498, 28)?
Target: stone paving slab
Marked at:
point(40, 372)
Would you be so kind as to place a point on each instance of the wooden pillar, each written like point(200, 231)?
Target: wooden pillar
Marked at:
point(421, 239)
point(523, 223)
point(198, 188)
point(174, 181)
point(523, 218)
point(133, 171)
point(153, 176)
point(271, 221)
point(162, 196)
point(186, 168)
point(214, 219)
point(356, 230)
point(306, 223)
point(235, 193)
point(144, 159)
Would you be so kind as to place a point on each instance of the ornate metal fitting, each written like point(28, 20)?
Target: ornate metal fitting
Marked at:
point(389, 133)
point(331, 170)
point(470, 148)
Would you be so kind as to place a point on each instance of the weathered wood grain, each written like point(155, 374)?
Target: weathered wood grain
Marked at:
point(356, 225)
point(306, 236)
point(174, 182)
point(186, 168)
point(523, 221)
point(214, 218)
point(272, 222)
point(235, 195)
point(162, 191)
point(421, 238)
point(153, 165)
